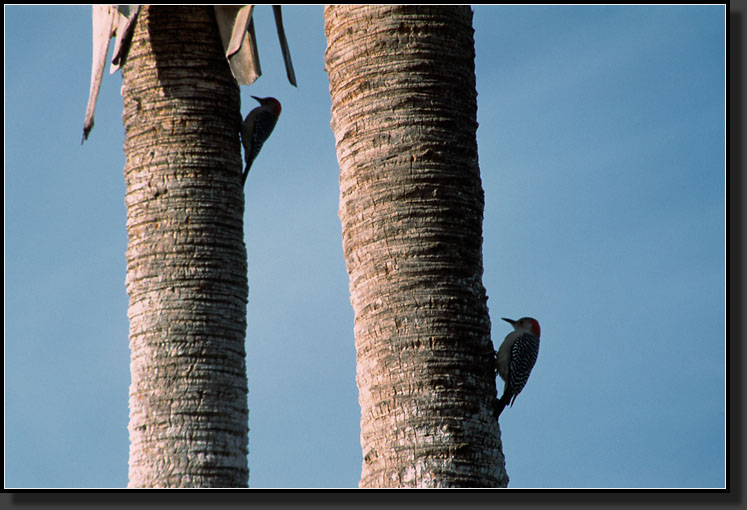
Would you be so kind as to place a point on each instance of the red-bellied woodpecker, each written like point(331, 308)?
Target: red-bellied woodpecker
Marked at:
point(256, 129)
point(515, 358)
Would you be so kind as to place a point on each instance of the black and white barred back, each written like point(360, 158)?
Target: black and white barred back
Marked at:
point(524, 353)
point(265, 123)
point(257, 127)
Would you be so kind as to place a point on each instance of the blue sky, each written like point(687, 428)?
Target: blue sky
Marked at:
point(601, 141)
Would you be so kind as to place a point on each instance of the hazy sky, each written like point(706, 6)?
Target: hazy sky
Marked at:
point(601, 144)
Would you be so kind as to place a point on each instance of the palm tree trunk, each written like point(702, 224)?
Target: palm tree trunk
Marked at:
point(411, 205)
point(186, 259)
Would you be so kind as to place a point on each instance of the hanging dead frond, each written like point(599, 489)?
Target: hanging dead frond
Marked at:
point(235, 25)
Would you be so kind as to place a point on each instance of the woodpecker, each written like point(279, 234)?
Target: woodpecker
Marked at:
point(515, 358)
point(256, 129)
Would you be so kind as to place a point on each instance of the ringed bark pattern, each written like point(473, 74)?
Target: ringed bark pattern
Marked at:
point(186, 259)
point(411, 206)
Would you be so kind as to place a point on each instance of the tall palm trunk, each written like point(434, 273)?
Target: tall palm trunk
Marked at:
point(186, 259)
point(411, 205)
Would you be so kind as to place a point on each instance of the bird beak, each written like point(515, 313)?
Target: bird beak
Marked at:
point(255, 97)
point(510, 321)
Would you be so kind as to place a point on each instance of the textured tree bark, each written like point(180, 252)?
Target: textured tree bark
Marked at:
point(411, 205)
point(186, 259)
